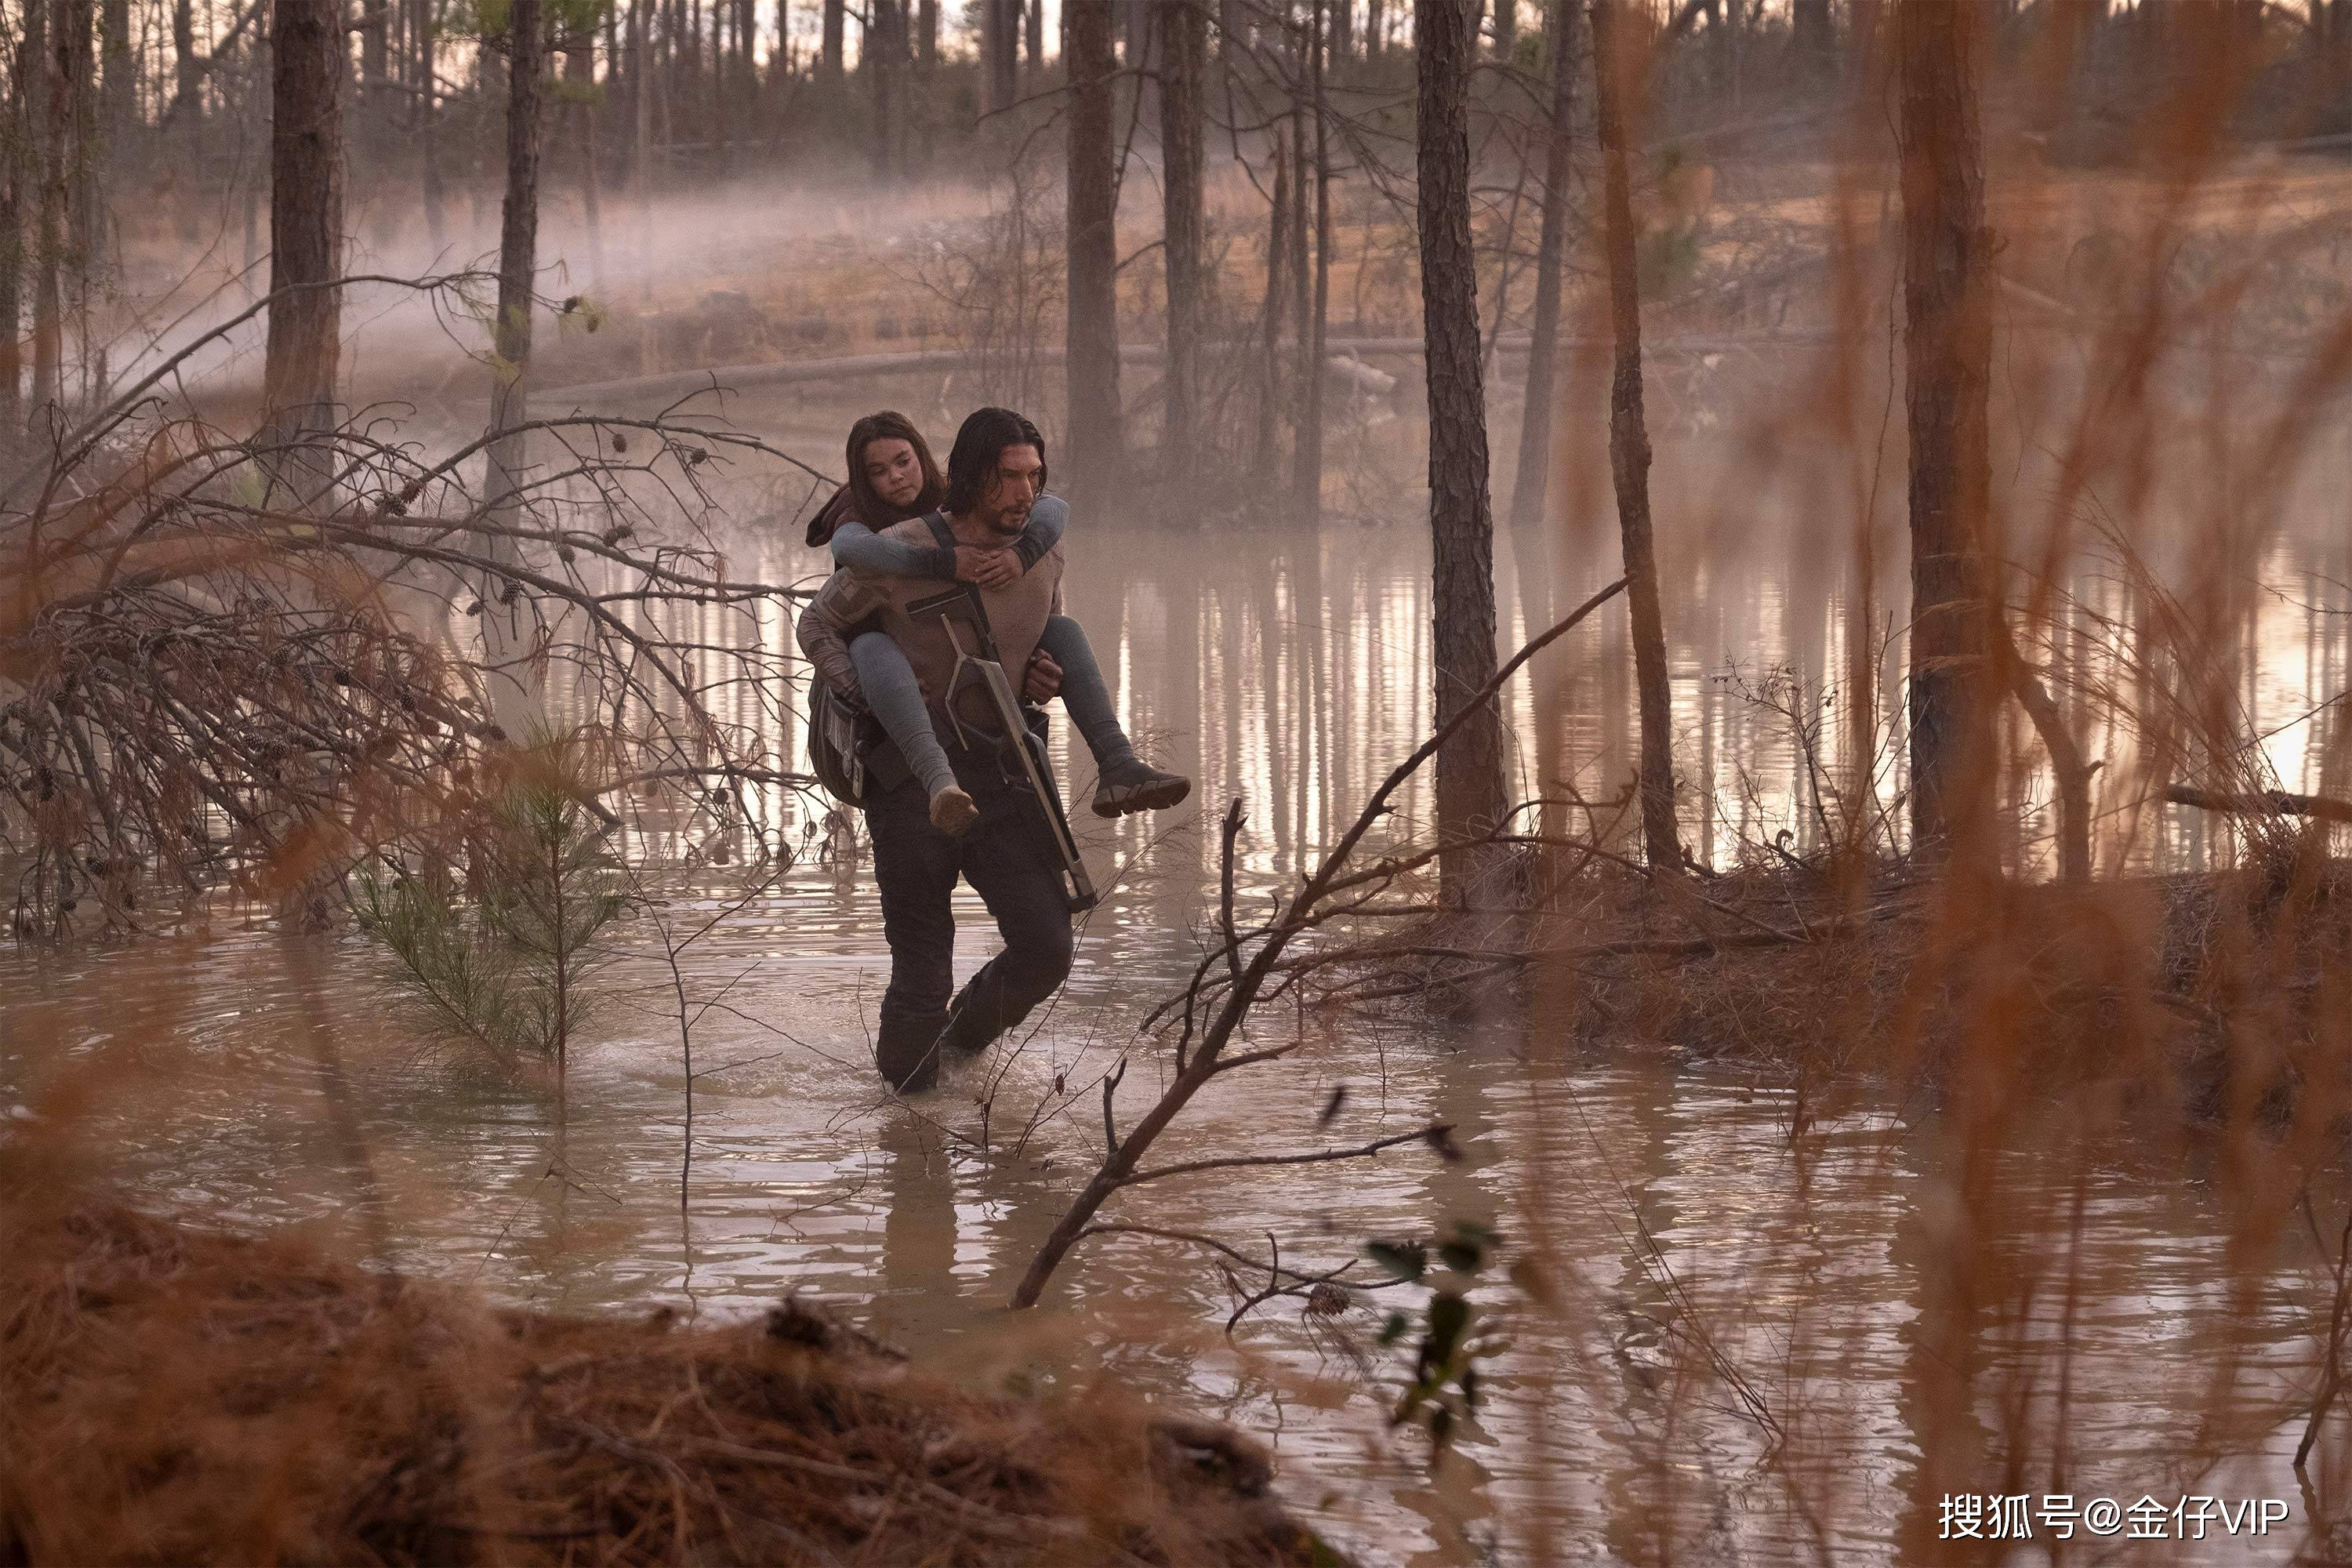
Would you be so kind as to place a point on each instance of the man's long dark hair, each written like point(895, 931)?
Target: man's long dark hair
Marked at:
point(971, 463)
point(889, 426)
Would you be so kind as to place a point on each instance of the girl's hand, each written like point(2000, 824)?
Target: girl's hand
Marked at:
point(988, 568)
point(1044, 683)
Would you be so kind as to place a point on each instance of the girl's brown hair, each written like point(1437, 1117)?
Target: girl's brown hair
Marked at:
point(890, 426)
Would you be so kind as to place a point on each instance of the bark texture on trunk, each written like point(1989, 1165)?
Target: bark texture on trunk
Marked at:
point(1091, 368)
point(1000, 54)
point(55, 100)
point(1462, 533)
point(1506, 28)
point(1629, 441)
point(1531, 486)
point(1948, 366)
point(836, 19)
point(1182, 47)
point(518, 236)
point(306, 211)
point(513, 704)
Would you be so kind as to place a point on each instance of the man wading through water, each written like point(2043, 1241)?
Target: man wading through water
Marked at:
point(1008, 853)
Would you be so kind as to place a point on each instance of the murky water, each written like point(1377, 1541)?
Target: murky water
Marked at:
point(239, 1073)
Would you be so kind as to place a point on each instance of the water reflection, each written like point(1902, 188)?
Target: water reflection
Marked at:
point(261, 1079)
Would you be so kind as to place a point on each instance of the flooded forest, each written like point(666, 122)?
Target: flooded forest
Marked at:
point(1382, 781)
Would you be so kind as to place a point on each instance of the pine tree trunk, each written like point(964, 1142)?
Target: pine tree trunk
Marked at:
point(1947, 359)
point(1277, 252)
point(85, 197)
point(881, 64)
point(512, 702)
point(49, 243)
point(1309, 499)
point(1091, 366)
point(428, 117)
point(1036, 42)
point(1506, 28)
point(1531, 486)
point(18, 178)
point(517, 238)
point(999, 52)
point(580, 68)
point(187, 70)
point(1629, 444)
point(1462, 534)
point(836, 16)
point(1813, 39)
point(1307, 414)
point(1184, 45)
point(1375, 28)
point(926, 33)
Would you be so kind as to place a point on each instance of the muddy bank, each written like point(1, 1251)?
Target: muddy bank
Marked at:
point(2219, 991)
point(172, 1395)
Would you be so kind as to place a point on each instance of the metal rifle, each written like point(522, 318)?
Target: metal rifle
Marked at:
point(979, 674)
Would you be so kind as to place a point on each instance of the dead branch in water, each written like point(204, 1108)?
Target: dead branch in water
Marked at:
point(1249, 960)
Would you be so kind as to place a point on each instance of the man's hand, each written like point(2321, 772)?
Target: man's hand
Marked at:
point(1044, 683)
point(987, 567)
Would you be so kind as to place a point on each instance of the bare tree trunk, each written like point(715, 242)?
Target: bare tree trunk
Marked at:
point(884, 46)
point(85, 198)
point(12, 259)
point(1036, 42)
point(1184, 45)
point(1948, 362)
point(1375, 28)
point(1614, 73)
point(927, 34)
point(1813, 39)
point(999, 52)
point(1091, 366)
point(510, 391)
point(49, 245)
point(115, 60)
point(518, 239)
point(306, 212)
point(428, 119)
point(580, 70)
point(187, 70)
point(1277, 253)
point(836, 13)
point(1530, 489)
point(1506, 28)
point(1310, 281)
point(641, 100)
point(1342, 29)
point(1462, 530)
point(1312, 336)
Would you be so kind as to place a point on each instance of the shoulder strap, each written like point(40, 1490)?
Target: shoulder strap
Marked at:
point(941, 534)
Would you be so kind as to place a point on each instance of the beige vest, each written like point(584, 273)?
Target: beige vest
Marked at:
point(1016, 617)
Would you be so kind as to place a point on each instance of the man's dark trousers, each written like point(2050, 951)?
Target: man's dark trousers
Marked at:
point(1008, 858)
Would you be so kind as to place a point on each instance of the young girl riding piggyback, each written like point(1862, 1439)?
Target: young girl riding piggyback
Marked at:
point(893, 478)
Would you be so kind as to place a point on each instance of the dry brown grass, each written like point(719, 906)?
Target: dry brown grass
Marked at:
point(172, 1395)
